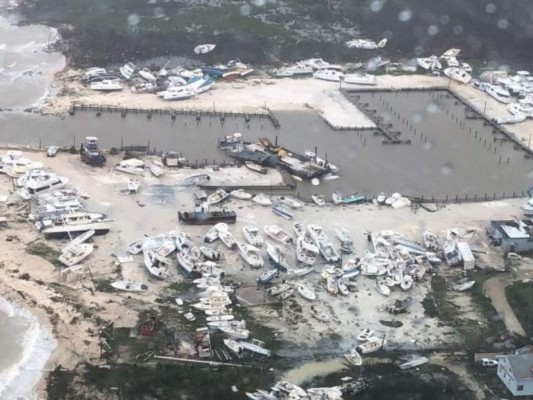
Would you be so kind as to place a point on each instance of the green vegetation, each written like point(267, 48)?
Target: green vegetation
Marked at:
point(42, 250)
point(520, 297)
point(104, 285)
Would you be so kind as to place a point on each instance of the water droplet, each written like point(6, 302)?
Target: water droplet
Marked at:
point(445, 19)
point(458, 30)
point(159, 12)
point(446, 169)
point(405, 15)
point(432, 108)
point(259, 3)
point(416, 118)
point(376, 6)
point(490, 8)
point(433, 30)
point(503, 24)
point(246, 10)
point(427, 145)
point(134, 19)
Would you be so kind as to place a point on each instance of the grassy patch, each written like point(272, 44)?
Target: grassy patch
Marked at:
point(520, 297)
point(104, 285)
point(42, 250)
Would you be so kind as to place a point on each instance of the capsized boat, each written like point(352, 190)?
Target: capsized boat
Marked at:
point(268, 275)
point(414, 363)
point(430, 240)
point(336, 197)
point(298, 229)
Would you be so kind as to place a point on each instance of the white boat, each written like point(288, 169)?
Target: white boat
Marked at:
point(226, 237)
point(223, 317)
point(305, 292)
point(189, 316)
point(290, 202)
point(209, 253)
point(256, 346)
point(36, 187)
point(73, 223)
point(136, 246)
point(262, 200)
point(294, 70)
point(354, 357)
point(343, 235)
point(282, 211)
point(241, 194)
point(406, 282)
point(320, 315)
point(255, 167)
point(319, 64)
point(218, 196)
point(465, 286)
point(329, 393)
point(301, 271)
point(302, 253)
point(156, 168)
point(458, 74)
point(107, 85)
point(14, 165)
point(276, 233)
point(235, 332)
point(200, 194)
point(365, 44)
point(327, 251)
point(365, 335)
point(183, 93)
point(336, 197)
point(383, 288)
point(157, 267)
point(277, 290)
point(195, 180)
point(145, 73)
point(33, 174)
point(293, 391)
point(127, 70)
point(252, 235)
point(360, 79)
point(233, 345)
point(372, 344)
point(278, 256)
point(318, 200)
point(132, 166)
point(451, 253)
point(133, 186)
point(298, 229)
point(450, 53)
point(414, 363)
point(499, 93)
point(204, 48)
point(429, 63)
point(250, 254)
point(328, 75)
point(74, 254)
point(131, 286)
point(430, 240)
point(331, 285)
point(343, 287)
point(213, 233)
point(268, 275)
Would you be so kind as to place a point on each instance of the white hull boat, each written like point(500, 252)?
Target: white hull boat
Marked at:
point(37, 187)
point(276, 233)
point(252, 235)
point(210, 253)
point(302, 253)
point(360, 79)
point(318, 200)
point(74, 254)
point(234, 332)
point(282, 212)
point(465, 286)
point(414, 363)
point(146, 74)
point(383, 289)
point(298, 229)
point(250, 254)
point(157, 169)
point(373, 344)
point(305, 292)
point(354, 357)
point(204, 48)
point(127, 70)
point(458, 75)
point(336, 197)
point(499, 93)
point(330, 75)
point(277, 290)
point(213, 233)
point(290, 202)
point(218, 196)
point(156, 266)
point(365, 335)
point(130, 286)
point(233, 345)
point(331, 285)
point(278, 256)
point(241, 194)
point(107, 85)
point(262, 200)
point(267, 276)
point(227, 238)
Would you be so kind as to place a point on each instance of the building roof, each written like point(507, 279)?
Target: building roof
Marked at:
point(521, 365)
point(519, 229)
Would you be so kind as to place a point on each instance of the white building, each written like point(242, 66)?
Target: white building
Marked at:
point(516, 372)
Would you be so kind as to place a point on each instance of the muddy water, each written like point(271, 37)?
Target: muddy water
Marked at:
point(449, 155)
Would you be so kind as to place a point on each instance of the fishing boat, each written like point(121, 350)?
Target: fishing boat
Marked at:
point(430, 240)
point(354, 357)
point(298, 229)
point(38, 186)
point(204, 48)
point(156, 168)
point(278, 256)
point(383, 289)
point(217, 197)
point(226, 237)
point(252, 235)
point(328, 75)
point(276, 233)
point(414, 363)
point(131, 286)
point(360, 79)
point(318, 200)
point(255, 167)
point(277, 290)
point(372, 344)
point(331, 285)
point(354, 199)
point(465, 286)
point(202, 216)
point(262, 200)
point(365, 335)
point(282, 211)
point(107, 85)
point(268, 275)
point(305, 292)
point(336, 197)
point(290, 202)
point(240, 194)
point(457, 74)
point(250, 254)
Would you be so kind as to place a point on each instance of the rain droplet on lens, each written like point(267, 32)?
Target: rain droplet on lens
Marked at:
point(503, 24)
point(405, 15)
point(134, 19)
point(246, 10)
point(445, 19)
point(259, 3)
point(432, 108)
point(490, 8)
point(376, 5)
point(433, 30)
point(446, 169)
point(416, 118)
point(159, 12)
point(427, 145)
point(458, 30)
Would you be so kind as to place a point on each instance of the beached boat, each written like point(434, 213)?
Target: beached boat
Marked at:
point(157, 168)
point(372, 344)
point(383, 289)
point(343, 287)
point(277, 290)
point(360, 79)
point(305, 292)
point(146, 74)
point(209, 253)
point(200, 194)
point(451, 253)
point(318, 200)
point(189, 316)
point(303, 254)
point(336, 197)
point(74, 254)
point(289, 389)
point(331, 285)
point(107, 85)
point(32, 174)
point(406, 282)
point(195, 180)
point(212, 233)
point(354, 199)
point(365, 335)
point(328, 75)
point(235, 332)
point(354, 357)
point(458, 74)
point(298, 229)
point(217, 197)
point(282, 211)
point(240, 194)
point(252, 235)
point(221, 317)
point(250, 254)
point(262, 199)
point(256, 346)
point(255, 167)
point(158, 267)
point(131, 286)
point(327, 251)
point(204, 48)
point(132, 166)
point(133, 186)
point(127, 70)
point(233, 345)
point(290, 202)
point(226, 237)
point(343, 235)
point(366, 44)
point(268, 275)
point(319, 315)
point(430, 240)
point(414, 363)
point(278, 256)
point(465, 286)
point(329, 393)
point(276, 233)
point(181, 93)
point(38, 186)
point(301, 271)
point(431, 63)
point(499, 93)
point(73, 223)
point(202, 216)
